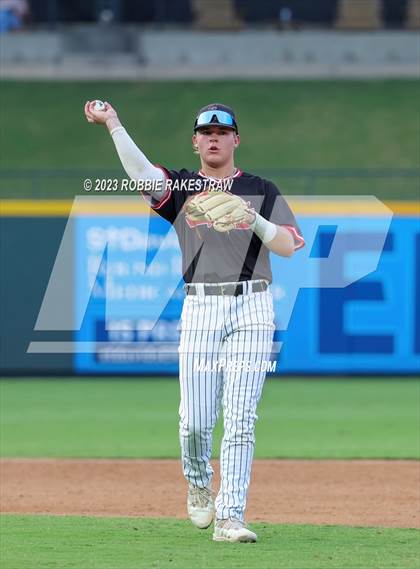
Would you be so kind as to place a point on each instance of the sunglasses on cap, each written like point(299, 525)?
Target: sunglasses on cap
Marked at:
point(215, 117)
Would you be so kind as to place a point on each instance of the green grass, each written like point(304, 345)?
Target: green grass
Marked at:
point(283, 124)
point(312, 418)
point(44, 542)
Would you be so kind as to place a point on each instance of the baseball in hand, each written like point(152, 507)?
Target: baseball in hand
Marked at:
point(99, 106)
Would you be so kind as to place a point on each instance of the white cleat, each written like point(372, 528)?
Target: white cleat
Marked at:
point(200, 506)
point(233, 530)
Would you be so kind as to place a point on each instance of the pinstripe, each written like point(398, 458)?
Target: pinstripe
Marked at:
point(248, 444)
point(191, 401)
point(219, 349)
point(206, 422)
point(230, 389)
point(208, 397)
point(250, 335)
point(191, 413)
point(254, 298)
point(232, 304)
point(236, 383)
point(197, 379)
point(229, 445)
point(238, 447)
point(224, 315)
point(245, 376)
point(184, 378)
point(249, 453)
point(250, 419)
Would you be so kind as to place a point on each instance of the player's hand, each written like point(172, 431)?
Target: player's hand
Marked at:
point(99, 117)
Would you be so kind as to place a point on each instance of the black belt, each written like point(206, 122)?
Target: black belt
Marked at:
point(234, 289)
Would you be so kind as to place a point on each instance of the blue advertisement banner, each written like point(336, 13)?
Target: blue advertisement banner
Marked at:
point(135, 268)
point(370, 325)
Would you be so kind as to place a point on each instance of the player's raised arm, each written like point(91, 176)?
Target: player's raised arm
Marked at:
point(135, 163)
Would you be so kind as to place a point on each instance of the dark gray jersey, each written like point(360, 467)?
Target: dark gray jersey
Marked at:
point(238, 255)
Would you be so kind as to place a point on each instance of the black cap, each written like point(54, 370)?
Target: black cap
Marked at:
point(213, 119)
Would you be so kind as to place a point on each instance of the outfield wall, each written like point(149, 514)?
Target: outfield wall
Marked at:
point(369, 326)
point(132, 54)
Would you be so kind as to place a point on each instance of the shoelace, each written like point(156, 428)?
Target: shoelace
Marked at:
point(231, 523)
point(200, 497)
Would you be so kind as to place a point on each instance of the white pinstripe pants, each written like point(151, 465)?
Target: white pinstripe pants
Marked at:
point(220, 331)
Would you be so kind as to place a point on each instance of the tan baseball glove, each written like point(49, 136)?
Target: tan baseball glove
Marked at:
point(220, 209)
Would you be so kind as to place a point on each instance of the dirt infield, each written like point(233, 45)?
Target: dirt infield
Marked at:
point(351, 492)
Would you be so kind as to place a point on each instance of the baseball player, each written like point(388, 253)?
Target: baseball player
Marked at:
point(227, 222)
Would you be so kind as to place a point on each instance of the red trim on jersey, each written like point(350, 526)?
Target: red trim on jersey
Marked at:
point(235, 175)
point(296, 236)
point(163, 201)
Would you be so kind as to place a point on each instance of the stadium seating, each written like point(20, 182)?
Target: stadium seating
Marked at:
point(215, 14)
point(413, 15)
point(359, 14)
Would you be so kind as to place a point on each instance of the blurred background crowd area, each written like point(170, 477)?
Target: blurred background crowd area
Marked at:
point(214, 14)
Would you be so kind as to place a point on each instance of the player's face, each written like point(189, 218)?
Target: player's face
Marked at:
point(216, 145)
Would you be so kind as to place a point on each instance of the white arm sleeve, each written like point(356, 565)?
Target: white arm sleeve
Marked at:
point(135, 163)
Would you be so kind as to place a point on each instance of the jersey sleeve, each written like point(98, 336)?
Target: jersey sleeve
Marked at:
point(276, 209)
point(167, 204)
